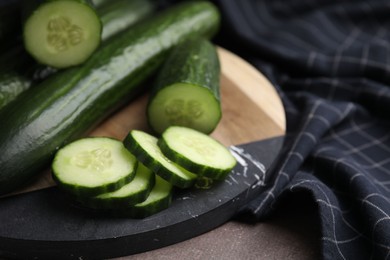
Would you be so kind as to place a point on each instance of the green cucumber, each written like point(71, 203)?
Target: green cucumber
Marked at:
point(61, 33)
point(134, 192)
point(187, 92)
point(197, 152)
point(93, 165)
point(12, 85)
point(159, 199)
point(144, 147)
point(99, 3)
point(69, 103)
point(120, 14)
point(21, 71)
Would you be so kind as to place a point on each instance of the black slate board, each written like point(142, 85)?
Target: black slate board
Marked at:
point(44, 224)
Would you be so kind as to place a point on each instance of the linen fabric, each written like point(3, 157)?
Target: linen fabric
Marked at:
point(330, 62)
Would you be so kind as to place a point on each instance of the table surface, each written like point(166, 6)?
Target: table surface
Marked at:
point(292, 232)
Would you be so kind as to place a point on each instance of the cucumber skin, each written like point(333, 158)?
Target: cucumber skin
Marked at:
point(200, 170)
point(12, 86)
point(140, 211)
point(180, 67)
point(151, 209)
point(21, 72)
point(132, 145)
point(69, 104)
point(83, 192)
point(118, 15)
point(95, 202)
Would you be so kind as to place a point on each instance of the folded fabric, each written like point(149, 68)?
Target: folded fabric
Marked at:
point(330, 62)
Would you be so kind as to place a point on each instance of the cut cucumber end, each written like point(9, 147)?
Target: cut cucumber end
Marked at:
point(93, 165)
point(62, 33)
point(144, 147)
point(184, 104)
point(197, 152)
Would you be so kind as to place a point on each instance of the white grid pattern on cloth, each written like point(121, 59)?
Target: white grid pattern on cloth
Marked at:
point(333, 86)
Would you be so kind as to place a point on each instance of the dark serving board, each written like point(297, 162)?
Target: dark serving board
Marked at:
point(40, 222)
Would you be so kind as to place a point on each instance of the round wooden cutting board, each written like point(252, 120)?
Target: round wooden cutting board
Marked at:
point(39, 221)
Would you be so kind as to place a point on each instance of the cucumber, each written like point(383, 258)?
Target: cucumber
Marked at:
point(93, 165)
point(20, 70)
point(186, 92)
point(144, 147)
point(60, 33)
point(69, 103)
point(99, 3)
point(136, 191)
point(12, 85)
point(120, 14)
point(197, 152)
point(160, 198)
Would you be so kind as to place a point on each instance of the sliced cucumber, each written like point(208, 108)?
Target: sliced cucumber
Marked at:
point(144, 147)
point(186, 91)
point(136, 191)
point(160, 198)
point(197, 152)
point(61, 33)
point(93, 165)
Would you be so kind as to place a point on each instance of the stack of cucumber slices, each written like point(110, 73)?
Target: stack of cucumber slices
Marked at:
point(137, 177)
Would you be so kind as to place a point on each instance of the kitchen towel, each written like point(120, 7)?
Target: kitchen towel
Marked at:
point(330, 62)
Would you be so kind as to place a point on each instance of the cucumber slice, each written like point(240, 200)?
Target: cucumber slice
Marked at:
point(61, 33)
point(160, 198)
point(144, 147)
point(136, 191)
point(187, 89)
point(197, 152)
point(93, 165)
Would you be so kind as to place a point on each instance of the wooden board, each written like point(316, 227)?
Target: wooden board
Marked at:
point(253, 126)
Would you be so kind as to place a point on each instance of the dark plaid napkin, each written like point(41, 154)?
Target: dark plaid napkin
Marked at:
point(330, 62)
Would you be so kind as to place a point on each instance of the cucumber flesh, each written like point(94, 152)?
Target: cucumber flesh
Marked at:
point(62, 33)
point(70, 103)
point(93, 165)
point(160, 198)
point(144, 147)
point(185, 105)
point(136, 191)
point(197, 152)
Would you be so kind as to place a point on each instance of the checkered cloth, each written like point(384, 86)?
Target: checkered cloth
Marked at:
point(330, 62)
